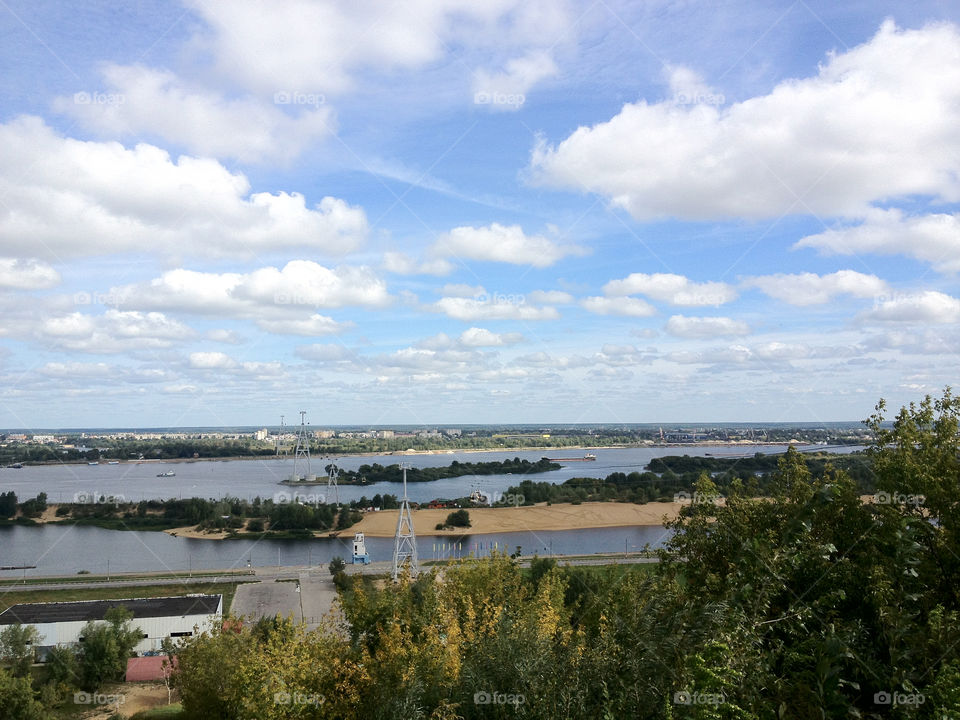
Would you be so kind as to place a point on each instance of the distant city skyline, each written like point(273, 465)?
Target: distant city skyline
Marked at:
point(441, 214)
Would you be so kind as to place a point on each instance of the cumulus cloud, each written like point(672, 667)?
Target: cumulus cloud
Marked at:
point(502, 243)
point(812, 289)
point(673, 289)
point(140, 200)
point(876, 122)
point(114, 331)
point(627, 306)
point(480, 337)
point(211, 361)
point(27, 274)
point(495, 308)
point(933, 238)
point(279, 300)
point(144, 101)
point(325, 46)
point(929, 307)
point(705, 327)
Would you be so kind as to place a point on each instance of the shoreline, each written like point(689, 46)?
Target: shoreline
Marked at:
point(452, 451)
point(494, 521)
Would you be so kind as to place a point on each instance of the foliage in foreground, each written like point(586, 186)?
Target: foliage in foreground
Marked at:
point(806, 604)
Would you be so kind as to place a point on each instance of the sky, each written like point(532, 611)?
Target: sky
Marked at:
point(434, 212)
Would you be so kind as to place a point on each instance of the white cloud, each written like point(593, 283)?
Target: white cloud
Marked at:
point(673, 289)
point(326, 46)
point(506, 90)
point(265, 292)
point(628, 306)
point(143, 101)
point(502, 243)
point(812, 289)
point(78, 370)
point(469, 309)
point(402, 264)
point(925, 307)
point(140, 200)
point(705, 327)
point(480, 337)
point(211, 361)
point(27, 274)
point(311, 326)
point(934, 238)
point(876, 122)
point(114, 331)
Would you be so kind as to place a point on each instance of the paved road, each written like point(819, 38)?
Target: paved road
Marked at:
point(267, 599)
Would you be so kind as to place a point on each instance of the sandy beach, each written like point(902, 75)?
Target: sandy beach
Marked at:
point(519, 519)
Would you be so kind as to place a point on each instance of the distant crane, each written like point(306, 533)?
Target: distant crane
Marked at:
point(405, 540)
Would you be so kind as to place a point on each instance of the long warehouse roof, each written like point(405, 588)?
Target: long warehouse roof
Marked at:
point(85, 610)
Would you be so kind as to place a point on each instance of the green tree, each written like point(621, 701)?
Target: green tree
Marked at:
point(17, 701)
point(106, 647)
point(8, 504)
point(17, 643)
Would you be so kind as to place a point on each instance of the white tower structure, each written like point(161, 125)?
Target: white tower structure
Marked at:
point(405, 541)
point(279, 434)
point(301, 458)
point(360, 556)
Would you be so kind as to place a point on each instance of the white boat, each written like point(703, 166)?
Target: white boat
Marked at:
point(168, 473)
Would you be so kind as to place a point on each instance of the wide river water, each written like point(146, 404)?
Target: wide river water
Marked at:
point(66, 549)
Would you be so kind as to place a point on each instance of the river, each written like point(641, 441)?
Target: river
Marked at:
point(66, 549)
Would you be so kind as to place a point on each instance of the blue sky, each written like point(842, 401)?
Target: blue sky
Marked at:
point(440, 211)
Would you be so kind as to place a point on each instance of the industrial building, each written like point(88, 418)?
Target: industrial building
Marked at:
point(62, 623)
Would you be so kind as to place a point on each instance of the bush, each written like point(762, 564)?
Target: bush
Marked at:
point(459, 518)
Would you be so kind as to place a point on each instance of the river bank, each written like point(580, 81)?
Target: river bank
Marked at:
point(413, 453)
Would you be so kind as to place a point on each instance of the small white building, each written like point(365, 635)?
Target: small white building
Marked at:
point(61, 623)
